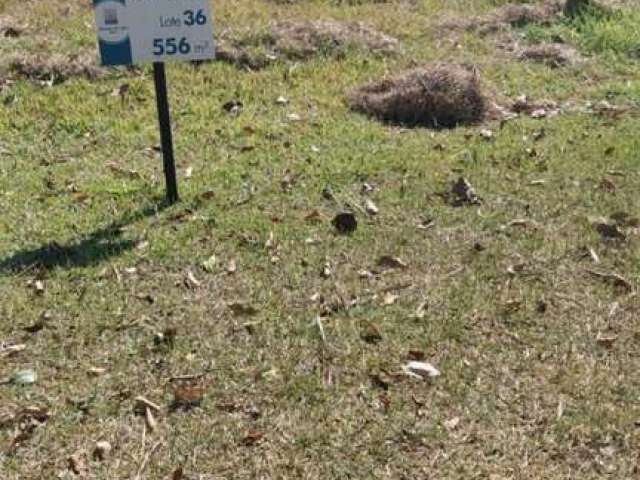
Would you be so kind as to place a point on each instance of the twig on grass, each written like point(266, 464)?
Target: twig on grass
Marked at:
point(146, 459)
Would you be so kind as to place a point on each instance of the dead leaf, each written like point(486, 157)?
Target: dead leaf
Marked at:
point(101, 450)
point(464, 193)
point(416, 355)
point(370, 207)
point(121, 91)
point(388, 262)
point(233, 107)
point(232, 267)
point(421, 311)
point(142, 404)
point(242, 309)
point(345, 223)
point(7, 350)
point(314, 217)
point(178, 474)
point(420, 370)
point(326, 270)
point(365, 274)
point(380, 380)
point(38, 286)
point(389, 298)
point(253, 437)
point(452, 423)
point(188, 394)
point(118, 170)
point(150, 420)
point(613, 278)
point(486, 134)
point(606, 341)
point(624, 219)
point(370, 333)
point(191, 281)
point(609, 232)
point(96, 371)
point(78, 464)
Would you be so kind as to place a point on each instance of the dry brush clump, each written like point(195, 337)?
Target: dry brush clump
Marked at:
point(435, 96)
point(554, 55)
point(293, 40)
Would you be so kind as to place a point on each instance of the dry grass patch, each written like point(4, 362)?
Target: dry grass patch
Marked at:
point(305, 39)
point(293, 40)
point(10, 27)
point(554, 55)
point(56, 68)
point(437, 96)
point(508, 16)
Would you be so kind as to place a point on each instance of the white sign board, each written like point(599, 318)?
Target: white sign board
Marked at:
point(138, 31)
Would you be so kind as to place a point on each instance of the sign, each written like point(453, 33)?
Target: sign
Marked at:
point(139, 31)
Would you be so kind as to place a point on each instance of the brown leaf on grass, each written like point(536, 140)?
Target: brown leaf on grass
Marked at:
point(606, 341)
point(463, 193)
point(416, 355)
point(615, 279)
point(78, 464)
point(101, 450)
point(123, 172)
point(314, 216)
point(388, 262)
point(178, 474)
point(370, 333)
point(253, 437)
point(242, 309)
point(609, 232)
point(142, 404)
point(380, 380)
point(188, 394)
point(345, 223)
point(624, 219)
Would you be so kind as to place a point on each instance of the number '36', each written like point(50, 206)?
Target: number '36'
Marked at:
point(194, 18)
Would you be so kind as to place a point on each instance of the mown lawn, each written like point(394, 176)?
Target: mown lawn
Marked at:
point(290, 336)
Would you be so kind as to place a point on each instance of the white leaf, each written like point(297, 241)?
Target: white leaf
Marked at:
point(420, 370)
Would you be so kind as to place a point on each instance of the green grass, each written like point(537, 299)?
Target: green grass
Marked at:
point(515, 328)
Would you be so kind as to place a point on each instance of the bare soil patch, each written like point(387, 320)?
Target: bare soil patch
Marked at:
point(435, 96)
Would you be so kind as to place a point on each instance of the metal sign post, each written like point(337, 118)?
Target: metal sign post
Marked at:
point(156, 31)
point(164, 119)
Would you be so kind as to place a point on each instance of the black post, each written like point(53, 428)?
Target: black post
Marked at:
point(164, 117)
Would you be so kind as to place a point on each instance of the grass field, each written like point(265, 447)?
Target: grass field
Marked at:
point(290, 337)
